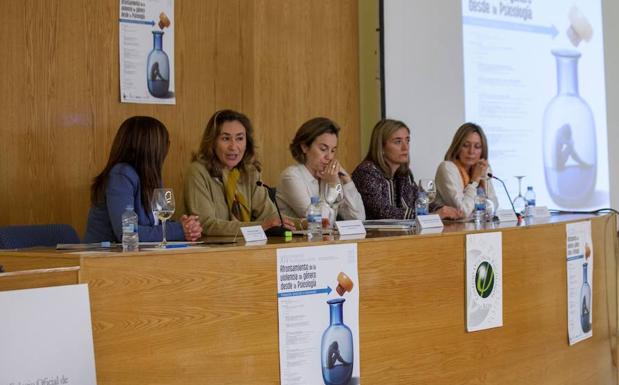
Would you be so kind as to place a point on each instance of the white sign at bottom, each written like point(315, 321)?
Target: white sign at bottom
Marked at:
point(46, 337)
point(318, 304)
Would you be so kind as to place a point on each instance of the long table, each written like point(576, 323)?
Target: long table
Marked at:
point(209, 315)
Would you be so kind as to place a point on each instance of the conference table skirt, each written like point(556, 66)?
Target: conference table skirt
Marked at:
point(209, 315)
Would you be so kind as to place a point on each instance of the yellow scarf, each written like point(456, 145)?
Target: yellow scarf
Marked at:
point(237, 204)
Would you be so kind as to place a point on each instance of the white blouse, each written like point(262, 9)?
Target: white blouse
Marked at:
point(297, 185)
point(450, 191)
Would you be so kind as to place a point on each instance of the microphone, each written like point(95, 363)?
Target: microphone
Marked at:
point(271, 190)
point(275, 231)
point(518, 215)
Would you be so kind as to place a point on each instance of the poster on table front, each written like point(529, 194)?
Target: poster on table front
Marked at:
point(146, 51)
point(579, 257)
point(318, 305)
point(46, 337)
point(484, 281)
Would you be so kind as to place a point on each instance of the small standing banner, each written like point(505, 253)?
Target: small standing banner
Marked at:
point(484, 281)
point(579, 281)
point(318, 305)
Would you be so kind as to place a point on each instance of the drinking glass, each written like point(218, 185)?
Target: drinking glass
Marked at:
point(520, 204)
point(490, 210)
point(333, 195)
point(163, 207)
point(428, 186)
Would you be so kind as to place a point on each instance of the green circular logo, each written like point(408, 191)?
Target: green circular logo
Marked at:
point(484, 279)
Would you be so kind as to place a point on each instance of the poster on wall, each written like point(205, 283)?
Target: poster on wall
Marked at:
point(146, 51)
point(318, 306)
point(579, 258)
point(484, 281)
point(46, 337)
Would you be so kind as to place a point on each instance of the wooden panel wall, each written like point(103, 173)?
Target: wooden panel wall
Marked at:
point(281, 62)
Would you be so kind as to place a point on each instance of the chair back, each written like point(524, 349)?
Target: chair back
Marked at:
point(19, 237)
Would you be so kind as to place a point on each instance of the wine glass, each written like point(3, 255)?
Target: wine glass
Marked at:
point(163, 206)
point(490, 210)
point(333, 195)
point(428, 186)
point(520, 204)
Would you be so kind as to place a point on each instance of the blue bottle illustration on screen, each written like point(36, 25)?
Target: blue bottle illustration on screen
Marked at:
point(337, 347)
point(570, 153)
point(585, 301)
point(158, 68)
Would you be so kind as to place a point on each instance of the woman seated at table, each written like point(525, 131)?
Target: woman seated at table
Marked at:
point(464, 169)
point(384, 178)
point(317, 173)
point(220, 186)
point(132, 172)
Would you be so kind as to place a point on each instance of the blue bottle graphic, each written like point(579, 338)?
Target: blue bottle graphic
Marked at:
point(337, 347)
point(570, 153)
point(158, 68)
point(585, 302)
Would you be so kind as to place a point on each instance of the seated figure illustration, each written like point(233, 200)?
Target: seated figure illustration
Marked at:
point(564, 148)
point(154, 72)
point(333, 355)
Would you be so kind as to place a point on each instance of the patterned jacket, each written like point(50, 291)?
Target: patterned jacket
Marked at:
point(385, 198)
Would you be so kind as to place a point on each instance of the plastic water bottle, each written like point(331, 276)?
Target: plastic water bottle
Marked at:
point(529, 196)
point(130, 239)
point(479, 212)
point(422, 204)
point(314, 219)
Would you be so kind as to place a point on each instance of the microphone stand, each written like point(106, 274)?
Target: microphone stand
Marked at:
point(275, 231)
point(518, 215)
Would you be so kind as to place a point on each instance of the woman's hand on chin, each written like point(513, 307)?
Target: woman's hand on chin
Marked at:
point(331, 173)
point(480, 170)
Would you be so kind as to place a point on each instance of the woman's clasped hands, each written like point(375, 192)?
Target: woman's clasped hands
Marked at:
point(191, 227)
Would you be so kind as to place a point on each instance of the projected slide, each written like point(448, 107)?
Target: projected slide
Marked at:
point(534, 79)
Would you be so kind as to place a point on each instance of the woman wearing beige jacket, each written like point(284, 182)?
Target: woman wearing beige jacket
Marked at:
point(220, 186)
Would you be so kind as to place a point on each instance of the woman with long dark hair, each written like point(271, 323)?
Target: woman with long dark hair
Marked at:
point(132, 172)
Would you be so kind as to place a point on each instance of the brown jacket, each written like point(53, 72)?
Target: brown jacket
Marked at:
point(204, 196)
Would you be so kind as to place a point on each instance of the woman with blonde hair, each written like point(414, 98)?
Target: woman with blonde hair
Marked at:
point(384, 178)
point(220, 186)
point(464, 170)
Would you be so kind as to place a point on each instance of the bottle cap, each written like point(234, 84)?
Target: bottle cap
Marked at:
point(314, 200)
